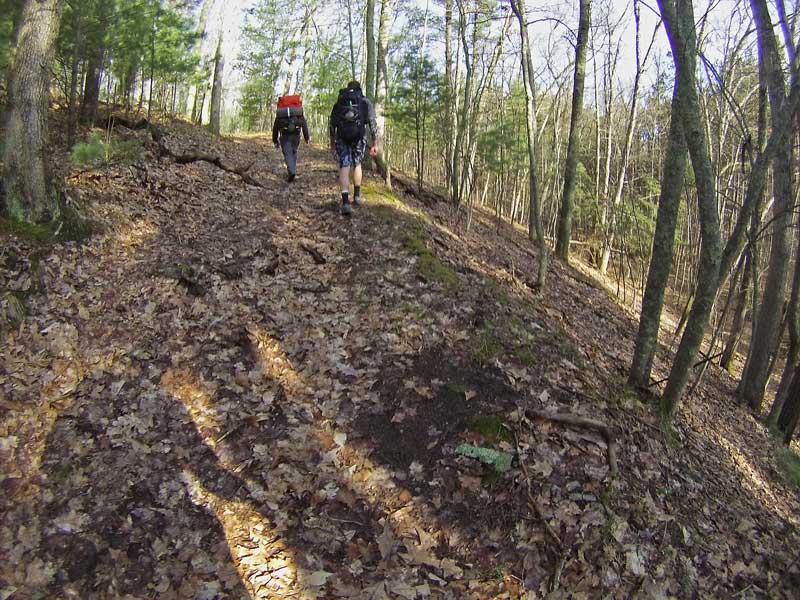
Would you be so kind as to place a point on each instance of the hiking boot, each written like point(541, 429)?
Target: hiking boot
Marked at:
point(356, 200)
point(347, 210)
point(291, 177)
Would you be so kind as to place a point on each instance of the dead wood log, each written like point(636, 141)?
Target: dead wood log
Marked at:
point(583, 422)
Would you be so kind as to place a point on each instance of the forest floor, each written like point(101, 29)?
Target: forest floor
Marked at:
point(232, 391)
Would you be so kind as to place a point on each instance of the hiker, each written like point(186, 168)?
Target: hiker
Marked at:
point(352, 114)
point(289, 122)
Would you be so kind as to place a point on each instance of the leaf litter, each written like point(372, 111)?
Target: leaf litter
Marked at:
point(231, 392)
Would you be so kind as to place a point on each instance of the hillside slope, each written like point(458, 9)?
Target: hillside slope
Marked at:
point(234, 392)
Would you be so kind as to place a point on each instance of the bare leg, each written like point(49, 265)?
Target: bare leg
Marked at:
point(344, 179)
point(357, 175)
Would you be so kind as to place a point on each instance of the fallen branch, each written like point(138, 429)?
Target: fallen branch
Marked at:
point(315, 254)
point(534, 505)
point(185, 159)
point(576, 421)
point(190, 157)
point(320, 289)
point(699, 363)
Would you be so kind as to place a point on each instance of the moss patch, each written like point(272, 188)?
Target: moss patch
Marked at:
point(68, 226)
point(432, 269)
point(410, 230)
point(486, 346)
point(12, 309)
point(789, 466)
point(491, 427)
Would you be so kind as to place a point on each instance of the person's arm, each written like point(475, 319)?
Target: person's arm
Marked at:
point(306, 135)
point(275, 131)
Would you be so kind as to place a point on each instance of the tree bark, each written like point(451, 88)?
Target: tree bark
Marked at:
point(77, 56)
point(679, 20)
point(790, 413)
point(382, 90)
point(215, 116)
point(754, 379)
point(352, 41)
point(30, 195)
point(535, 213)
point(91, 89)
point(369, 29)
point(674, 175)
point(570, 168)
point(792, 323)
point(450, 95)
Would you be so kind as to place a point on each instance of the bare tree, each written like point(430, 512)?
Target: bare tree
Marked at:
point(679, 20)
point(369, 30)
point(570, 168)
point(674, 174)
point(756, 373)
point(216, 89)
point(535, 214)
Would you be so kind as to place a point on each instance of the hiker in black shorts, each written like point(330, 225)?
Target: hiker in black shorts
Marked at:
point(351, 116)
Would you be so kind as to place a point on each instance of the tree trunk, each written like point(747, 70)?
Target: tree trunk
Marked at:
point(216, 90)
point(91, 89)
point(630, 128)
point(29, 192)
point(726, 361)
point(674, 174)
point(420, 106)
point(535, 213)
point(792, 316)
point(679, 21)
point(369, 29)
point(754, 379)
point(790, 413)
point(382, 89)
point(450, 95)
point(77, 56)
point(352, 41)
point(307, 51)
point(570, 168)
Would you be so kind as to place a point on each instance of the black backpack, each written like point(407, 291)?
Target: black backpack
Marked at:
point(288, 124)
point(349, 116)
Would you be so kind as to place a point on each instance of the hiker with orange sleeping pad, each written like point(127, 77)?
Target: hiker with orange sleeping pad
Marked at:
point(289, 122)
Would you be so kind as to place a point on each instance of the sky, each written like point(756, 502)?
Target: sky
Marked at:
point(228, 16)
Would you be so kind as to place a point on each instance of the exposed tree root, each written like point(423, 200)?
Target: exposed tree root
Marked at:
point(575, 420)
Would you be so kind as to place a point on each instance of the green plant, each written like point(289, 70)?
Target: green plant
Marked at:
point(486, 347)
point(92, 152)
point(98, 151)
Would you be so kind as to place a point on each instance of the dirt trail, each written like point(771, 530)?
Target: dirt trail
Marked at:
point(236, 392)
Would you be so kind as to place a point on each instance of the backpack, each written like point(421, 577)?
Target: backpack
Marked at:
point(348, 115)
point(288, 124)
point(285, 101)
point(289, 107)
